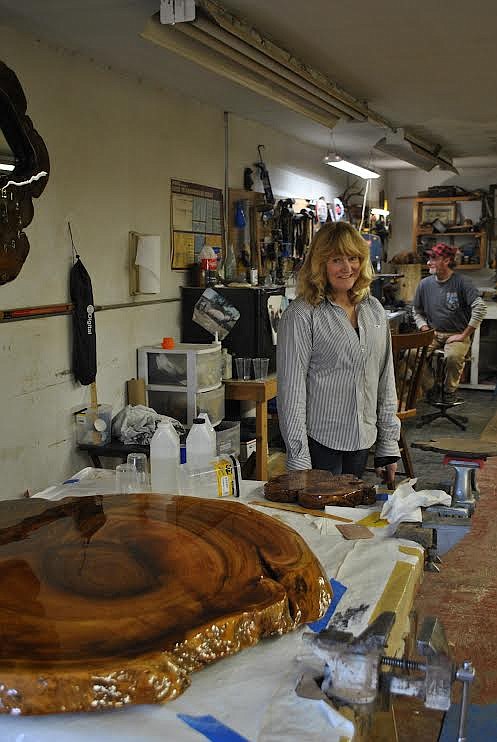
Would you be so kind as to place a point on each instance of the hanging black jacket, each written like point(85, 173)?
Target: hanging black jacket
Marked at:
point(84, 352)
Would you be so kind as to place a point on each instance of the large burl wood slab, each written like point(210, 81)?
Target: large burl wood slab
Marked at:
point(316, 488)
point(112, 600)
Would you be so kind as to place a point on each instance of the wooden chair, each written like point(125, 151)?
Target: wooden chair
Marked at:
point(409, 358)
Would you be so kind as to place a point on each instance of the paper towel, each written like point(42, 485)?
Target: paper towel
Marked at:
point(148, 262)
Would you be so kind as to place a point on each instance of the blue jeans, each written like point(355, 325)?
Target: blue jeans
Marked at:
point(337, 462)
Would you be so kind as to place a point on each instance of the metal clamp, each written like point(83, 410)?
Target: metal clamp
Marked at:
point(353, 676)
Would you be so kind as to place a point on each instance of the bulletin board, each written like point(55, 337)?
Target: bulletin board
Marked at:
point(197, 219)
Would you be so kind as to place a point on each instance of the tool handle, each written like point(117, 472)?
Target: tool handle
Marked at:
point(93, 395)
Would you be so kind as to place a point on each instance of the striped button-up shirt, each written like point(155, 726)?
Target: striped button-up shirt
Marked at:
point(334, 385)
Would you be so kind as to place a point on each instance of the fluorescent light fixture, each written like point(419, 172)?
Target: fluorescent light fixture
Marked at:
point(398, 144)
point(349, 167)
point(6, 167)
point(229, 47)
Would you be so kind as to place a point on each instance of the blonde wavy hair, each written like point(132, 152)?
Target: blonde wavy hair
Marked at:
point(334, 238)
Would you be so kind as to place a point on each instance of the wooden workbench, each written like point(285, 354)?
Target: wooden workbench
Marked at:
point(253, 693)
point(259, 391)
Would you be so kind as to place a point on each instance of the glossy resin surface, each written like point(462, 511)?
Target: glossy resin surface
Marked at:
point(112, 600)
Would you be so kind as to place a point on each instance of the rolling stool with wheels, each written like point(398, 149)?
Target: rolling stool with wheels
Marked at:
point(438, 400)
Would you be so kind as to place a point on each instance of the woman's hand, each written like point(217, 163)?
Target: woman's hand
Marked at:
point(387, 474)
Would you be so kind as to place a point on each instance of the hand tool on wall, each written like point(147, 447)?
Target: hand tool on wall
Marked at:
point(248, 180)
point(264, 176)
point(255, 245)
point(243, 231)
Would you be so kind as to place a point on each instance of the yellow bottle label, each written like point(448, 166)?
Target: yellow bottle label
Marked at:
point(225, 479)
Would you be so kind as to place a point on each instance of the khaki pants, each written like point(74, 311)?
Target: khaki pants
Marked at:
point(455, 355)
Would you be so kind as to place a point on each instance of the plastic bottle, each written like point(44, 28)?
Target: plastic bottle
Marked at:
point(210, 428)
point(221, 479)
point(208, 266)
point(230, 269)
point(208, 258)
point(226, 365)
point(164, 458)
point(200, 448)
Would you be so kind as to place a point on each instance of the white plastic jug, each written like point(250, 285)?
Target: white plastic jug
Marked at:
point(200, 445)
point(164, 459)
point(210, 429)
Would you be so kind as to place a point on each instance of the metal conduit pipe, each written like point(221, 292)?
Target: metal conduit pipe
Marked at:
point(254, 38)
point(169, 38)
point(249, 35)
point(268, 63)
point(230, 53)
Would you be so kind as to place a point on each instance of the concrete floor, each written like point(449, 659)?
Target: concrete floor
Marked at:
point(479, 407)
point(464, 595)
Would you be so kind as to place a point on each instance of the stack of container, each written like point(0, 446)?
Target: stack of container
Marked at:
point(183, 381)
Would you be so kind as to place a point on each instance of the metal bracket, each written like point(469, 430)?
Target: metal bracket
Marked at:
point(176, 11)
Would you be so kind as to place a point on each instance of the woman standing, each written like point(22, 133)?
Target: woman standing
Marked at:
point(336, 386)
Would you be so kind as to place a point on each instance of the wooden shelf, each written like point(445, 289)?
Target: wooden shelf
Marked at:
point(445, 199)
point(440, 235)
point(417, 233)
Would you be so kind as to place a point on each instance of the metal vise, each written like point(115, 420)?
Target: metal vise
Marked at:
point(353, 674)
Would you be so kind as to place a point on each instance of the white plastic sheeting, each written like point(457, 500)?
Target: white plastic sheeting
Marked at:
point(253, 692)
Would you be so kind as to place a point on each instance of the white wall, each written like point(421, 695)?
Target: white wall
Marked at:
point(114, 145)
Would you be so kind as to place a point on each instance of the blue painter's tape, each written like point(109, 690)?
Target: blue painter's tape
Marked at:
point(212, 728)
point(338, 592)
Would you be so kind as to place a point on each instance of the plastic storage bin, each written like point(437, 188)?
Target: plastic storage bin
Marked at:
point(185, 365)
point(183, 381)
point(228, 438)
point(94, 427)
point(176, 404)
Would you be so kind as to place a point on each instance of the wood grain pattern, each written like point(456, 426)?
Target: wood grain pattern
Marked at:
point(316, 488)
point(112, 600)
point(299, 510)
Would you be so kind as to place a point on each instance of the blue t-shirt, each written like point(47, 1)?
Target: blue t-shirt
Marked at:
point(446, 305)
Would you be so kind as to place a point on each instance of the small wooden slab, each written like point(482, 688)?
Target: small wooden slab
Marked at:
point(354, 531)
point(113, 600)
point(316, 488)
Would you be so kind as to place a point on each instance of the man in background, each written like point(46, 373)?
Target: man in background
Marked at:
point(449, 303)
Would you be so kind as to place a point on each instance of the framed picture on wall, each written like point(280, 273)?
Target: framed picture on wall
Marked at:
point(446, 213)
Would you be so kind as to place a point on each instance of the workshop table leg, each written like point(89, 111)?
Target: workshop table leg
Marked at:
point(95, 460)
point(261, 469)
point(406, 455)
